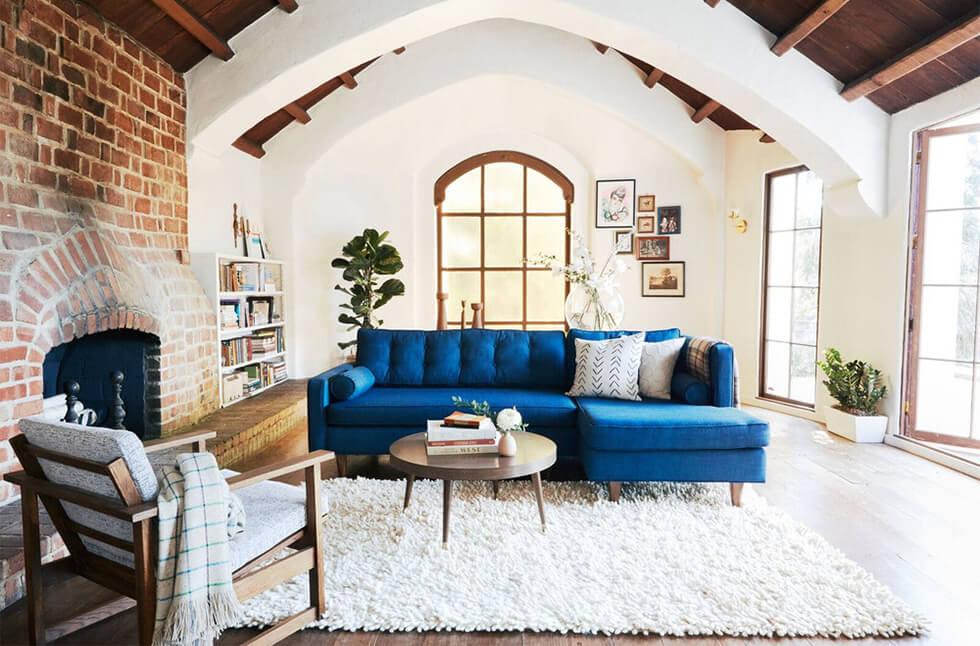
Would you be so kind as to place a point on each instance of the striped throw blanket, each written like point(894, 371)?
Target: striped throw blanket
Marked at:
point(697, 365)
point(197, 514)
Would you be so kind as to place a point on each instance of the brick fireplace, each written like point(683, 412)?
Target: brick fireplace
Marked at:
point(93, 211)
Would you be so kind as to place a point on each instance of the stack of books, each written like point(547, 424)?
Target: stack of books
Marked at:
point(460, 434)
point(265, 342)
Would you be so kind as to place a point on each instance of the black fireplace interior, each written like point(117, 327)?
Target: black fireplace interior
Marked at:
point(91, 360)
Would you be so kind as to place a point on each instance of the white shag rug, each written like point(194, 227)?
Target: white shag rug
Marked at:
point(666, 559)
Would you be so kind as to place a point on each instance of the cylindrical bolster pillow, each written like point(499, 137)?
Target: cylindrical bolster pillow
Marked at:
point(685, 388)
point(353, 383)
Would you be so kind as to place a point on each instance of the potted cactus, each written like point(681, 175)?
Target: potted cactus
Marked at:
point(857, 386)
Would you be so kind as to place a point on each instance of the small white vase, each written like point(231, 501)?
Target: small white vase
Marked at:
point(507, 446)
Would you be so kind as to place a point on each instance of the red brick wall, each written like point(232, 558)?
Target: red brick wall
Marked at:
point(93, 208)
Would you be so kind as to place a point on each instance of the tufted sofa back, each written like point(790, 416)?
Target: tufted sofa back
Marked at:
point(504, 358)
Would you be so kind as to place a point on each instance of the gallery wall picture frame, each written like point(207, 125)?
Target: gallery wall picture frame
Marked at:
point(664, 279)
point(646, 203)
point(253, 246)
point(652, 248)
point(628, 249)
point(615, 202)
point(646, 224)
point(669, 220)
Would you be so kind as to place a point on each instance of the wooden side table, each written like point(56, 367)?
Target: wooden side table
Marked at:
point(535, 453)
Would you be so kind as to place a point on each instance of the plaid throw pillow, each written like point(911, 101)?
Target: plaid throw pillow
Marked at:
point(608, 368)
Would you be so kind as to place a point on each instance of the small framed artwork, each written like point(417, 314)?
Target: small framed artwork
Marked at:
point(253, 246)
point(646, 224)
point(664, 279)
point(652, 248)
point(646, 203)
point(669, 220)
point(614, 201)
point(624, 243)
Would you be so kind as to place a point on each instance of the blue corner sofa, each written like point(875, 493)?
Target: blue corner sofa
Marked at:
point(697, 436)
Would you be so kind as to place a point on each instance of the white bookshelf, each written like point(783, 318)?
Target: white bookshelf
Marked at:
point(209, 269)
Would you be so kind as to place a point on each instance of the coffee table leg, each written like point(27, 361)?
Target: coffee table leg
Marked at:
point(496, 488)
point(447, 496)
point(536, 479)
point(408, 490)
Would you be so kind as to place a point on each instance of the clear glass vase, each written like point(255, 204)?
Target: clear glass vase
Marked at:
point(589, 308)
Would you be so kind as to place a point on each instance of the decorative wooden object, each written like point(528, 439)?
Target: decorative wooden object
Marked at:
point(196, 27)
point(462, 316)
point(441, 317)
point(236, 225)
point(477, 316)
point(117, 412)
point(818, 16)
point(71, 398)
point(138, 582)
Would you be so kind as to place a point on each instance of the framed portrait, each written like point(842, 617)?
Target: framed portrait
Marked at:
point(614, 203)
point(646, 224)
point(663, 279)
point(624, 243)
point(646, 203)
point(652, 248)
point(669, 220)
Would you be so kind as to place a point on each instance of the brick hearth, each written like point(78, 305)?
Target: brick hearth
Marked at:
point(93, 209)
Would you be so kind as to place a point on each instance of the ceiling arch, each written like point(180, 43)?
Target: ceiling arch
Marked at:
point(792, 99)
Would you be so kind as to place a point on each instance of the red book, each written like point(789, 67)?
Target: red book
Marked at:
point(464, 420)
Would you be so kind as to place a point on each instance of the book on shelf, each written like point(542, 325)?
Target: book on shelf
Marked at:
point(230, 319)
point(232, 387)
point(465, 420)
point(260, 311)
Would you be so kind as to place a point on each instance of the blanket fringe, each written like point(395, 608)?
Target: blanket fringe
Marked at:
point(189, 621)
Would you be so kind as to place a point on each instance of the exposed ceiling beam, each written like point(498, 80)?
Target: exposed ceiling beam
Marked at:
point(399, 51)
point(599, 47)
point(348, 80)
point(705, 111)
point(712, 3)
point(249, 146)
point(297, 112)
point(289, 6)
point(807, 25)
point(653, 77)
point(766, 139)
point(925, 51)
point(196, 27)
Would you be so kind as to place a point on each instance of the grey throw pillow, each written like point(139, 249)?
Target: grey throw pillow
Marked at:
point(608, 368)
point(657, 367)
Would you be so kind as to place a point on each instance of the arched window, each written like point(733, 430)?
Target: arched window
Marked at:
point(495, 211)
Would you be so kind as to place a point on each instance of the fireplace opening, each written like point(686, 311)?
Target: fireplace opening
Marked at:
point(91, 360)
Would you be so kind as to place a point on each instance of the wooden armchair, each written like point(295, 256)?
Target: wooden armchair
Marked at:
point(107, 518)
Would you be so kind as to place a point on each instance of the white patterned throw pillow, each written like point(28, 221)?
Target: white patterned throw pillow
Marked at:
point(608, 368)
point(657, 367)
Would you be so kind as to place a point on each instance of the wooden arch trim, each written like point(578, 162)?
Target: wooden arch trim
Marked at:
point(497, 156)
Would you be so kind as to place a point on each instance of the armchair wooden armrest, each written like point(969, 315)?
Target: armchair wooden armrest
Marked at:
point(108, 506)
point(278, 469)
point(197, 439)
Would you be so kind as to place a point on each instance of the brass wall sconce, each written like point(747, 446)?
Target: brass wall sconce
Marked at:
point(741, 224)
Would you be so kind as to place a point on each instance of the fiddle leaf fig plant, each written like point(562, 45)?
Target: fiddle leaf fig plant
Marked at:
point(856, 385)
point(366, 258)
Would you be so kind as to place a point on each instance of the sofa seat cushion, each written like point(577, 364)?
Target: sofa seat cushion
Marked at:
point(650, 425)
point(412, 406)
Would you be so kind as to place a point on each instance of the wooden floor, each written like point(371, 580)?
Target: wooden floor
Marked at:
point(913, 524)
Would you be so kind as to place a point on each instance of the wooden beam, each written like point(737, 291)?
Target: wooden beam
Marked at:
point(399, 51)
point(289, 6)
point(653, 77)
point(806, 26)
point(348, 80)
point(297, 112)
point(712, 3)
point(766, 139)
point(196, 27)
point(925, 51)
point(248, 146)
point(599, 47)
point(705, 111)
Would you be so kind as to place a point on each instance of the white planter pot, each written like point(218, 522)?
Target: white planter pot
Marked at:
point(857, 428)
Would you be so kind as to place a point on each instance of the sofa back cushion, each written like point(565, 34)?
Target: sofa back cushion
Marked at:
point(652, 336)
point(506, 358)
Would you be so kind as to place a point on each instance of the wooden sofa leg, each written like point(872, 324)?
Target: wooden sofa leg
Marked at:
point(614, 490)
point(736, 490)
point(342, 466)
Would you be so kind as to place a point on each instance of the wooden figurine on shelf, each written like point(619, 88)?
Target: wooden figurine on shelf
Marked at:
point(236, 225)
point(245, 231)
point(477, 323)
point(462, 316)
point(441, 298)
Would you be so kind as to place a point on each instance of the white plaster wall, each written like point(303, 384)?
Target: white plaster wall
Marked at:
point(382, 174)
point(215, 183)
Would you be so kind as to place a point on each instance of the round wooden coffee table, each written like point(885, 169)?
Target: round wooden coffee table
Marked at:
point(535, 453)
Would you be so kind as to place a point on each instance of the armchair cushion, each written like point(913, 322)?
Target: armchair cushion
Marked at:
point(350, 384)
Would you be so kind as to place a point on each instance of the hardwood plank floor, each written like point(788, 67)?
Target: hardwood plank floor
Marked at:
point(913, 524)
